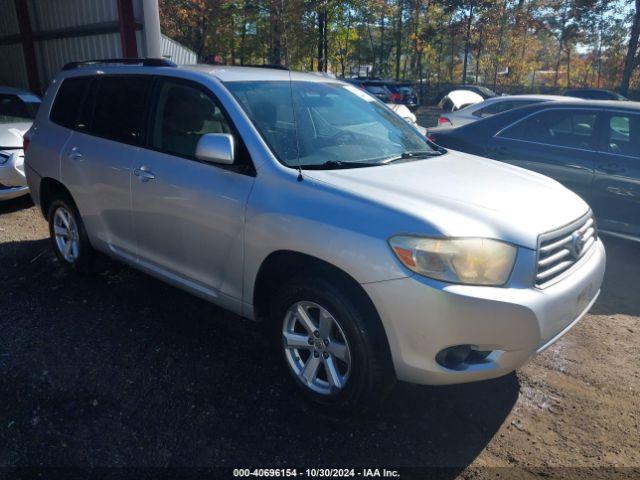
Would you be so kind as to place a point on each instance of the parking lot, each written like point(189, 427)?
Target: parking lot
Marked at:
point(120, 369)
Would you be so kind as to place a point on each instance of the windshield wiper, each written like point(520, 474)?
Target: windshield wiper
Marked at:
point(417, 154)
point(331, 164)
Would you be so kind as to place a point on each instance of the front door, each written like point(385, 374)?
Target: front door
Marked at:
point(559, 143)
point(189, 215)
point(616, 192)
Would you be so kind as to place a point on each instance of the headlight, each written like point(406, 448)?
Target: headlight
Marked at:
point(4, 158)
point(475, 261)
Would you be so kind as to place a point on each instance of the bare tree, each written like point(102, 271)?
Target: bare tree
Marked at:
point(630, 60)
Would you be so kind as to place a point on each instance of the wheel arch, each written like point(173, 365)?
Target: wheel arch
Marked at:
point(283, 265)
point(49, 190)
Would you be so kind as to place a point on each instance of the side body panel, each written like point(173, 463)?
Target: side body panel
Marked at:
point(97, 172)
point(47, 141)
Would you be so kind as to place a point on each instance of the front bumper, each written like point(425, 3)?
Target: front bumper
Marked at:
point(422, 317)
point(12, 178)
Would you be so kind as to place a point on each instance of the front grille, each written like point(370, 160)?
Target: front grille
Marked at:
point(560, 249)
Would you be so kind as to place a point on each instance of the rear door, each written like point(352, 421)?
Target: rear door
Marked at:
point(96, 161)
point(559, 143)
point(189, 215)
point(616, 191)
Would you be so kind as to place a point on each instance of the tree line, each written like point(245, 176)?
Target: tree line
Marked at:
point(504, 44)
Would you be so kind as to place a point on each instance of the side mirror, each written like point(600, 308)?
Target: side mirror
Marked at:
point(216, 148)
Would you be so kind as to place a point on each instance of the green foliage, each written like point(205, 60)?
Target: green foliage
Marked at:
point(507, 43)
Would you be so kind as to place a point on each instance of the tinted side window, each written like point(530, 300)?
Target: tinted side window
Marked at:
point(598, 95)
point(556, 127)
point(120, 108)
point(68, 100)
point(623, 134)
point(500, 107)
point(184, 114)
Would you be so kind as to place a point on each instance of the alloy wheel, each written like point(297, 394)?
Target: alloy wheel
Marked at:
point(316, 348)
point(66, 234)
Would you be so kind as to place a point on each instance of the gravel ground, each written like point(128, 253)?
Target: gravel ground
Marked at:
point(119, 369)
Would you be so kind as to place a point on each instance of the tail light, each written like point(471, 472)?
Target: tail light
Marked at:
point(396, 97)
point(431, 138)
point(25, 143)
point(444, 121)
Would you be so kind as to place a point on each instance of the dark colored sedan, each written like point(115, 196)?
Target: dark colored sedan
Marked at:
point(389, 91)
point(593, 149)
point(594, 94)
point(403, 93)
point(380, 91)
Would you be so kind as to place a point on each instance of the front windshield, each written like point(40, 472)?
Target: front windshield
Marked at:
point(326, 124)
point(14, 109)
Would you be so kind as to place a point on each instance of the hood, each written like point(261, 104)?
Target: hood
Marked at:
point(461, 195)
point(11, 134)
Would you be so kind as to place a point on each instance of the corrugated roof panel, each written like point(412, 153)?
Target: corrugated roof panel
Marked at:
point(177, 53)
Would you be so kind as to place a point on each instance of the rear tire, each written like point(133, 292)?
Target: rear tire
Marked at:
point(332, 344)
point(69, 237)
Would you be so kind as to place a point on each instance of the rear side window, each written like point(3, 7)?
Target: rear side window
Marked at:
point(623, 135)
point(556, 127)
point(119, 113)
point(500, 107)
point(68, 101)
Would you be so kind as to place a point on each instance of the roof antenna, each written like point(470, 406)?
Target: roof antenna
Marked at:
point(295, 123)
point(293, 109)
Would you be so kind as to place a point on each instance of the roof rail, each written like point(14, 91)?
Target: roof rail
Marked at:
point(145, 62)
point(275, 66)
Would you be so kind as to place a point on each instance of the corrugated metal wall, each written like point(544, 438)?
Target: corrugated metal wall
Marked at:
point(8, 18)
point(54, 54)
point(57, 14)
point(177, 52)
point(100, 37)
point(52, 15)
point(13, 71)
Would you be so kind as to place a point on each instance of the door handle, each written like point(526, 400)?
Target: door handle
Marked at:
point(499, 150)
point(74, 154)
point(611, 168)
point(144, 174)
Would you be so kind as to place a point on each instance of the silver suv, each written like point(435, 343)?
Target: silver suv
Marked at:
point(303, 202)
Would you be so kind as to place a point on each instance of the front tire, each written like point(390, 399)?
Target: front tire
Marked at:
point(333, 344)
point(69, 237)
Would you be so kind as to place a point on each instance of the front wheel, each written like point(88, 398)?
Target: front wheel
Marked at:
point(333, 345)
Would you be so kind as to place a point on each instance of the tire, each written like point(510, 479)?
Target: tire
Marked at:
point(362, 376)
point(81, 255)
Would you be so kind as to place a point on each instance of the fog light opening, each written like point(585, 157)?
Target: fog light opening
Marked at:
point(460, 357)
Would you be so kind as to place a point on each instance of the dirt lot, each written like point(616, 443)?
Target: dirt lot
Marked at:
point(119, 369)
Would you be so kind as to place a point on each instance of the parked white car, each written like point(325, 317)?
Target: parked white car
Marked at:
point(18, 108)
point(459, 99)
point(492, 106)
point(407, 115)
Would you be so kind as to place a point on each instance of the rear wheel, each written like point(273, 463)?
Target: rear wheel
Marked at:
point(68, 236)
point(332, 345)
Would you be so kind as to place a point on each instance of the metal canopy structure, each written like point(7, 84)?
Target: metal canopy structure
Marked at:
point(38, 37)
